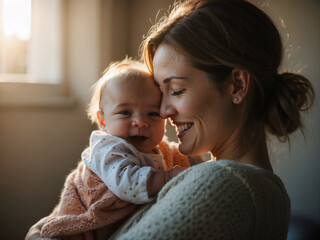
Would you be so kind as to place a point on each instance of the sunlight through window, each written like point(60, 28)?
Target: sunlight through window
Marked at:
point(15, 34)
point(16, 18)
point(31, 41)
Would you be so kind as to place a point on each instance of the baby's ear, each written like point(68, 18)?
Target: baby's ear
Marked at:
point(101, 121)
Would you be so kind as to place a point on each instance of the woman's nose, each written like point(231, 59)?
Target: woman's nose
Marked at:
point(140, 122)
point(166, 108)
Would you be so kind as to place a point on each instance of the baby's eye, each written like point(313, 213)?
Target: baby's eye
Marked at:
point(176, 93)
point(153, 114)
point(126, 113)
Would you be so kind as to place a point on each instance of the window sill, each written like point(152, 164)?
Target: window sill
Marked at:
point(17, 94)
point(43, 101)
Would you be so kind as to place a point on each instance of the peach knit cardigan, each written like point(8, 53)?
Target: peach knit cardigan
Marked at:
point(88, 210)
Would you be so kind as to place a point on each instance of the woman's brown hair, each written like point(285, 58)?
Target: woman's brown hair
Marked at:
point(220, 35)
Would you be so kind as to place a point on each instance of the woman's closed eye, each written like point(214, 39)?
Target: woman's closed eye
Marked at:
point(176, 92)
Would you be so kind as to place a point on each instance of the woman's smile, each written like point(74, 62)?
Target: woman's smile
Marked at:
point(182, 128)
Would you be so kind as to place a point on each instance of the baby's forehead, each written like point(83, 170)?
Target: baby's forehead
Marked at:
point(138, 91)
point(132, 77)
point(136, 85)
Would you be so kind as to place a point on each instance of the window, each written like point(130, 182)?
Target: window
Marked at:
point(31, 51)
point(31, 41)
point(15, 35)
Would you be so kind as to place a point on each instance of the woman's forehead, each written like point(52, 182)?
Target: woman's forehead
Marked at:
point(169, 62)
point(167, 51)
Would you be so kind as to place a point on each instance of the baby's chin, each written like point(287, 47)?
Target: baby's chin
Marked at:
point(146, 150)
point(142, 144)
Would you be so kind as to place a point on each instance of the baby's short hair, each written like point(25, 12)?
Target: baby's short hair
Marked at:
point(127, 68)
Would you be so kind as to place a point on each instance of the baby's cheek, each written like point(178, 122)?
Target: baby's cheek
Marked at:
point(117, 129)
point(158, 129)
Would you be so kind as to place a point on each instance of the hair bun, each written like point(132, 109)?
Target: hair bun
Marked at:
point(291, 94)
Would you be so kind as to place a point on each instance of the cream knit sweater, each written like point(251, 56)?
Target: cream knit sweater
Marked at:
point(215, 200)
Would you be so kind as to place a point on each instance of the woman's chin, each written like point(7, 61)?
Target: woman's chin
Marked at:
point(184, 149)
point(190, 149)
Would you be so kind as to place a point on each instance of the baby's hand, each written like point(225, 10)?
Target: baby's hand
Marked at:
point(158, 179)
point(176, 170)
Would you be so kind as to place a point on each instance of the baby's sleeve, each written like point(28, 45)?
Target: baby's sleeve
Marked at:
point(118, 165)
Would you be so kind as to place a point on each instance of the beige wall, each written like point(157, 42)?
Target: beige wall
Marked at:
point(300, 168)
point(40, 145)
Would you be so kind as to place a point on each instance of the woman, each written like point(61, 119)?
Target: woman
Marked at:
point(216, 63)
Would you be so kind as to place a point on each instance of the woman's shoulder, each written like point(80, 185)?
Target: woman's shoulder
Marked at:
point(239, 192)
point(224, 177)
point(232, 170)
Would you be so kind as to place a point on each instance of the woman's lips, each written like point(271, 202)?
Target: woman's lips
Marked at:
point(182, 128)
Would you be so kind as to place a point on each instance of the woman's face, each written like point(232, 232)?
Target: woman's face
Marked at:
point(203, 117)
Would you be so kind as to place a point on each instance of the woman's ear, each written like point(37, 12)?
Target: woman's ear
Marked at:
point(101, 121)
point(240, 84)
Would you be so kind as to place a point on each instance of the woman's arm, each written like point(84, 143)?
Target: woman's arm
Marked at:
point(35, 230)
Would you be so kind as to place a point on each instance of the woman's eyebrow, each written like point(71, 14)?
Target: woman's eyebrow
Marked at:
point(168, 79)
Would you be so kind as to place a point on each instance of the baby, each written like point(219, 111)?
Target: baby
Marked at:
point(127, 162)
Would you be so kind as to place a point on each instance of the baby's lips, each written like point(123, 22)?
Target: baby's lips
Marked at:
point(138, 137)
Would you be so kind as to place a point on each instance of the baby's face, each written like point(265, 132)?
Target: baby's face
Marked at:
point(131, 111)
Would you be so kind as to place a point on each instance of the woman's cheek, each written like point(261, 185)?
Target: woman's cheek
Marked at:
point(186, 107)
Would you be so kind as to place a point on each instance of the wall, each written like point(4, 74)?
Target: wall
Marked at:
point(40, 145)
point(299, 168)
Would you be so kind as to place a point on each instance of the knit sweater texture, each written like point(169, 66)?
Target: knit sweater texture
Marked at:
point(214, 200)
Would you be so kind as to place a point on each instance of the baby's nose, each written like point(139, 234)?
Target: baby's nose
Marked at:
point(140, 122)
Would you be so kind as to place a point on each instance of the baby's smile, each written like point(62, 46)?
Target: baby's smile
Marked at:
point(138, 139)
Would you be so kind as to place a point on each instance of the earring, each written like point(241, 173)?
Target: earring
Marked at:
point(236, 100)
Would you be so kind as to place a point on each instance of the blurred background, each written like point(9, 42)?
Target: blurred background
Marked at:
point(53, 51)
